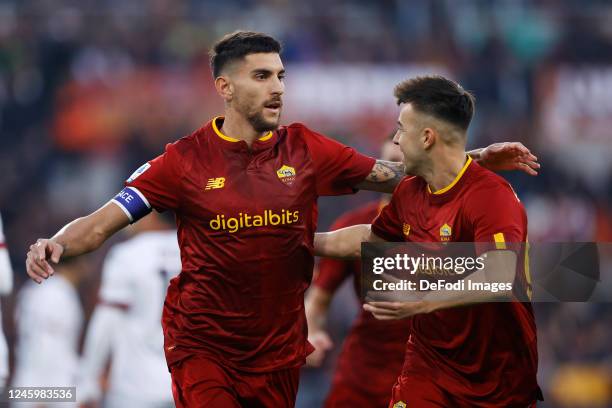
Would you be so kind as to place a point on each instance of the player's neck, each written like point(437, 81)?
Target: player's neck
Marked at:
point(444, 169)
point(237, 126)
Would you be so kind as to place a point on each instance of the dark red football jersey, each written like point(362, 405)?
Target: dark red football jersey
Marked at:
point(246, 226)
point(374, 349)
point(481, 355)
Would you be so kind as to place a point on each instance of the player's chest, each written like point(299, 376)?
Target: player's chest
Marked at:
point(235, 183)
point(424, 222)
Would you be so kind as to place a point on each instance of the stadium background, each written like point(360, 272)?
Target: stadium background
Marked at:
point(90, 90)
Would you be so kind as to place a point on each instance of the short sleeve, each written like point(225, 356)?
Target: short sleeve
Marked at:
point(388, 225)
point(159, 180)
point(115, 287)
point(498, 218)
point(338, 168)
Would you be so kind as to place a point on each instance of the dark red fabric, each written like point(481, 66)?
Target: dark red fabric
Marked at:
point(485, 352)
point(246, 222)
point(202, 382)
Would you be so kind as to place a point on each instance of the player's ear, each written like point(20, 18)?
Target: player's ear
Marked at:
point(224, 88)
point(428, 137)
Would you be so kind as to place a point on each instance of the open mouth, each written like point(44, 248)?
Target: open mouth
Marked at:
point(274, 106)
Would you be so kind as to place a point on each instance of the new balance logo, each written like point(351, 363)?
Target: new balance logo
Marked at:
point(214, 183)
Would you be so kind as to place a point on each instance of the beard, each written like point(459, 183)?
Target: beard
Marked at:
point(254, 112)
point(261, 124)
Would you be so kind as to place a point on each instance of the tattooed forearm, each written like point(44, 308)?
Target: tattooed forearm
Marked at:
point(384, 176)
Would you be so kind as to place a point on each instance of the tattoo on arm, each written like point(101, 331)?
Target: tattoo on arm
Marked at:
point(385, 175)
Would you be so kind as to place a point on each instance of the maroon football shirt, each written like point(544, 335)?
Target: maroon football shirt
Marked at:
point(246, 225)
point(374, 349)
point(479, 353)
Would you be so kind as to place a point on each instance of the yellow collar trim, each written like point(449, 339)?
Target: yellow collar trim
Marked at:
point(451, 185)
point(233, 139)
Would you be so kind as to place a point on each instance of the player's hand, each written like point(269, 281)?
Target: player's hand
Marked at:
point(321, 342)
point(509, 156)
point(39, 255)
point(395, 310)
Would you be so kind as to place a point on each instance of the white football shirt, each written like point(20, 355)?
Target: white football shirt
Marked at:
point(135, 278)
point(49, 321)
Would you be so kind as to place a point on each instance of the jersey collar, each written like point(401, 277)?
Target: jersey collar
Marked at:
point(454, 182)
point(223, 136)
point(448, 192)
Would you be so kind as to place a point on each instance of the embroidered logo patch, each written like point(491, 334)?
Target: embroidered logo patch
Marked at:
point(286, 174)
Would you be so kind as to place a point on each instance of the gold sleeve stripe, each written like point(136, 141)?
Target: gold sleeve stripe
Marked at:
point(500, 241)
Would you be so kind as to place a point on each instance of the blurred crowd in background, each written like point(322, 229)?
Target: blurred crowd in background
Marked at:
point(90, 90)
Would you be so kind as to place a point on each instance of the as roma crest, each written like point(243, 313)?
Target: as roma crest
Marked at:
point(286, 174)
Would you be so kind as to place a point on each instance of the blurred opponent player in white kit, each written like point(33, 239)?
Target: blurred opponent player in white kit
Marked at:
point(126, 324)
point(6, 286)
point(49, 321)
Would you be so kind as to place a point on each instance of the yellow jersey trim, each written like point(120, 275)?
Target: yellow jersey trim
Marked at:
point(267, 136)
point(451, 185)
point(500, 240)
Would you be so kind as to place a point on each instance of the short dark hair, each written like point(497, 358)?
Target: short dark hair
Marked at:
point(439, 97)
point(237, 45)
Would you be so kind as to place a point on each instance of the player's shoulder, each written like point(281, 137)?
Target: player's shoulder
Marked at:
point(189, 146)
point(484, 181)
point(295, 128)
point(487, 189)
point(298, 131)
point(185, 145)
point(410, 184)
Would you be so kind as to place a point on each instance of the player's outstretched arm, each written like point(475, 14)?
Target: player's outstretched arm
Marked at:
point(82, 235)
point(344, 243)
point(385, 175)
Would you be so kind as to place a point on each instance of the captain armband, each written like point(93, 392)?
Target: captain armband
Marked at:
point(133, 203)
